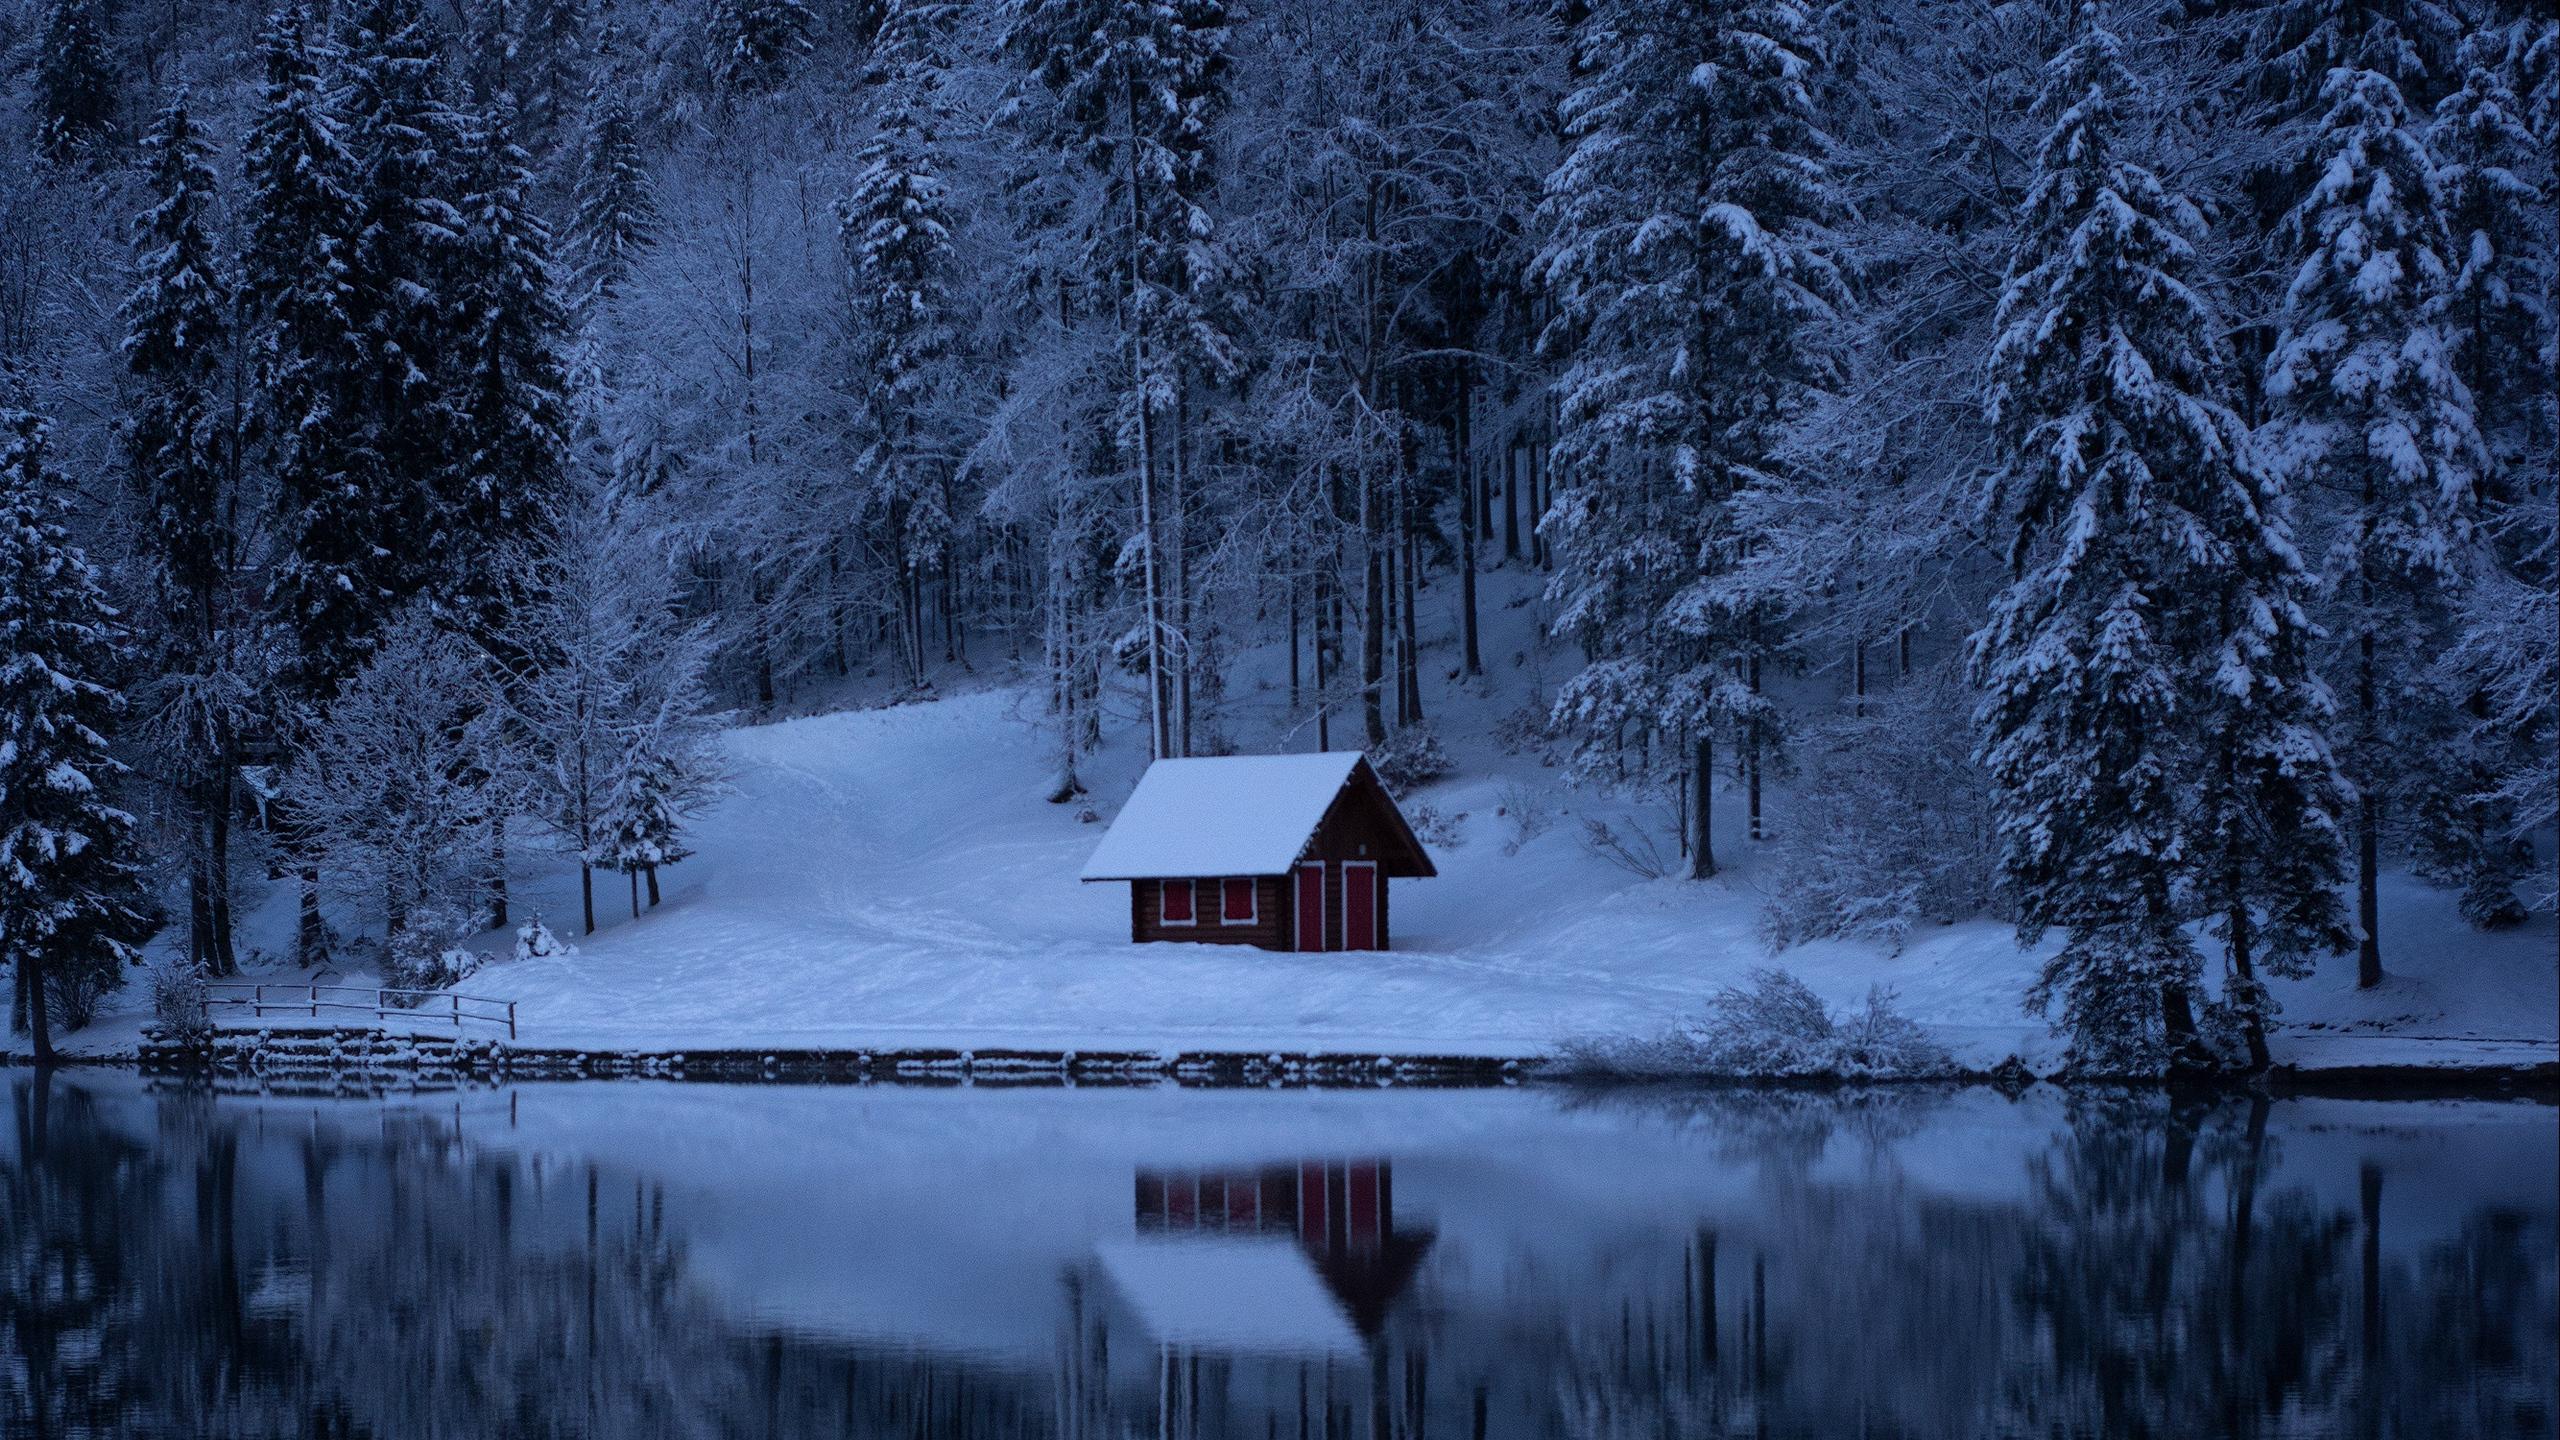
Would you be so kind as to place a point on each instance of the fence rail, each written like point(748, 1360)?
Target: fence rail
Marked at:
point(376, 1000)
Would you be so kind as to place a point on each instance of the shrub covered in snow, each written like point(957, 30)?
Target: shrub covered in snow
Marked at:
point(1775, 1028)
point(1891, 826)
point(534, 941)
point(1411, 759)
point(1436, 828)
point(177, 1003)
point(427, 953)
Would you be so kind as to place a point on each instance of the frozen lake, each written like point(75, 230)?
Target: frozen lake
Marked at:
point(644, 1259)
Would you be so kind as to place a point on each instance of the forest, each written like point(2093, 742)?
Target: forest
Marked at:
point(2091, 465)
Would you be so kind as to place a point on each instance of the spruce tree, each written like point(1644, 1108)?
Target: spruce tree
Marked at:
point(2498, 306)
point(298, 291)
point(182, 443)
point(896, 225)
point(75, 82)
point(72, 911)
point(177, 347)
point(2370, 410)
point(754, 44)
point(379, 536)
point(644, 818)
point(2150, 724)
point(614, 217)
point(1693, 274)
point(511, 420)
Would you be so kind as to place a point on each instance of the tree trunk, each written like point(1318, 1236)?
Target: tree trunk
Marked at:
point(2253, 1019)
point(1293, 645)
point(1325, 629)
point(498, 872)
point(1515, 462)
point(1373, 621)
point(1751, 756)
point(31, 995)
point(1702, 779)
point(635, 892)
point(651, 872)
point(587, 892)
point(311, 934)
point(1409, 640)
point(2368, 827)
point(226, 957)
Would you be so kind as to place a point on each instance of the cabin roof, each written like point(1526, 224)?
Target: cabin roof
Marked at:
point(1252, 1295)
point(1233, 815)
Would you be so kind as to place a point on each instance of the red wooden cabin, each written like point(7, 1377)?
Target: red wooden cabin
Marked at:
point(1285, 852)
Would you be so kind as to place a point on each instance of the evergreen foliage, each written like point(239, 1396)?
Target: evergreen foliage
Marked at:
point(2150, 657)
point(75, 82)
point(72, 913)
point(1692, 268)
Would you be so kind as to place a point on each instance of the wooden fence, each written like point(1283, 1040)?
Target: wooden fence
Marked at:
point(260, 1001)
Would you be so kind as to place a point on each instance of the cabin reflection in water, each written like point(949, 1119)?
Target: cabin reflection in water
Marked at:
point(1263, 1288)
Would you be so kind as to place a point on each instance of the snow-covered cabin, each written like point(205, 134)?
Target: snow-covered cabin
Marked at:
point(1287, 852)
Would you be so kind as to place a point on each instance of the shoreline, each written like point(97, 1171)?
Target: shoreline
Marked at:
point(301, 1054)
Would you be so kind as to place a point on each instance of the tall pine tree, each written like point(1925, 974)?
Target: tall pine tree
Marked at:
point(896, 225)
point(2498, 307)
point(72, 911)
point(2150, 721)
point(2369, 405)
point(614, 208)
point(511, 420)
point(75, 82)
point(753, 45)
point(1693, 274)
point(182, 440)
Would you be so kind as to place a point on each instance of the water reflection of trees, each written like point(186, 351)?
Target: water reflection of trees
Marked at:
point(187, 1267)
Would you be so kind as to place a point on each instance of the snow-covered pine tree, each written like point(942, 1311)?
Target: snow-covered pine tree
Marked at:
point(896, 223)
point(182, 443)
point(309, 414)
point(177, 346)
point(2152, 646)
point(614, 215)
point(300, 233)
point(2370, 413)
point(75, 82)
point(382, 534)
point(2492, 172)
point(753, 45)
point(72, 911)
point(509, 487)
point(1692, 271)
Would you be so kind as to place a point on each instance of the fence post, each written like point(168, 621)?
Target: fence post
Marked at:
point(511, 1020)
point(381, 1002)
point(457, 1012)
point(315, 999)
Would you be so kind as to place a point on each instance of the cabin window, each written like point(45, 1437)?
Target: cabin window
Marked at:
point(1236, 903)
point(1178, 903)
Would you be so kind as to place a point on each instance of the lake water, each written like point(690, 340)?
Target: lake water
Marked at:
point(645, 1259)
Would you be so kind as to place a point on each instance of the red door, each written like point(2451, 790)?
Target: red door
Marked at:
point(1359, 906)
point(1311, 907)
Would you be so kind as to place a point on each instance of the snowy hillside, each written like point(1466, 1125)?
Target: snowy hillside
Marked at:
point(893, 877)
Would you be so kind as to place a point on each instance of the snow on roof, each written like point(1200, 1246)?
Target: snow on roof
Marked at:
point(1256, 1295)
point(1231, 815)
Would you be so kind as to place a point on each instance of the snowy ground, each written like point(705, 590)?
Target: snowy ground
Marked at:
point(892, 877)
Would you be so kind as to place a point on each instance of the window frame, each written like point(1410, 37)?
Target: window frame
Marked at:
point(1164, 914)
point(1252, 897)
